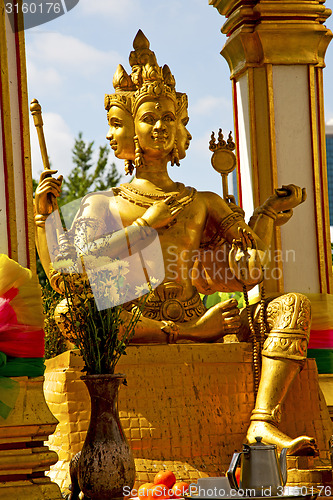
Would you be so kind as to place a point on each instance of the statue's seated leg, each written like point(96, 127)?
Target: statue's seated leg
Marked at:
point(219, 320)
point(208, 326)
point(284, 353)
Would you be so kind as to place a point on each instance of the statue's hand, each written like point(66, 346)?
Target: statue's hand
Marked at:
point(163, 212)
point(283, 217)
point(233, 206)
point(230, 316)
point(245, 259)
point(286, 198)
point(47, 188)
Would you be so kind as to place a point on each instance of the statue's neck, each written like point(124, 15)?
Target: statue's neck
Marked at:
point(153, 175)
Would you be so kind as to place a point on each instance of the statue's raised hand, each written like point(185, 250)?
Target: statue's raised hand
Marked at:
point(47, 189)
point(286, 198)
point(245, 259)
point(163, 213)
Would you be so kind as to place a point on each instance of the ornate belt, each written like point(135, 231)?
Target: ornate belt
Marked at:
point(173, 309)
point(165, 304)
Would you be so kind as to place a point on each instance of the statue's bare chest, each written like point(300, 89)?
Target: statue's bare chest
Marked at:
point(185, 231)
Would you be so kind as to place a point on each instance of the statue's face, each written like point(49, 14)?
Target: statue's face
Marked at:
point(155, 127)
point(183, 136)
point(121, 133)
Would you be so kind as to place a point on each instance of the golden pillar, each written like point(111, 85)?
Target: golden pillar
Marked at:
point(275, 51)
point(24, 458)
point(16, 211)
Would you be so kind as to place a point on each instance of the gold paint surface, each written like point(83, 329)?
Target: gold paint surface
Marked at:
point(323, 161)
point(27, 171)
point(8, 144)
point(317, 180)
point(30, 421)
point(274, 170)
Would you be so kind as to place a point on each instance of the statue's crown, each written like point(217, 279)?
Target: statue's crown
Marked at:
point(124, 88)
point(147, 80)
point(150, 79)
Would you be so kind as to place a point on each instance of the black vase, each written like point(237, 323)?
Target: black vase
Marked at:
point(106, 464)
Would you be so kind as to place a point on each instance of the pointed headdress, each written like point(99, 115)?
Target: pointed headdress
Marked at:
point(147, 80)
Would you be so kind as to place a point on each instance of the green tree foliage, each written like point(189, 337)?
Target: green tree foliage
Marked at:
point(85, 177)
point(54, 341)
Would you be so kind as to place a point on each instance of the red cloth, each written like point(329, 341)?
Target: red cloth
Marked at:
point(22, 341)
point(7, 313)
point(321, 339)
point(19, 341)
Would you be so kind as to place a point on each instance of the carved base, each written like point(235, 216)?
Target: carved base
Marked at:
point(310, 472)
point(186, 407)
point(28, 491)
point(24, 458)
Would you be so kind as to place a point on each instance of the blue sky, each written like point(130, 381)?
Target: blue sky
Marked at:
point(71, 62)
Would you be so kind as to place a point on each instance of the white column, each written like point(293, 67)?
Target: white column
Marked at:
point(16, 211)
point(275, 51)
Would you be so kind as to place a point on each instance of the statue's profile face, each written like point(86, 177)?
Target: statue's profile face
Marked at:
point(121, 133)
point(155, 127)
point(183, 136)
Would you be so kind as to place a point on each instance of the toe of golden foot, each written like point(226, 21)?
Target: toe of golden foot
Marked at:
point(304, 446)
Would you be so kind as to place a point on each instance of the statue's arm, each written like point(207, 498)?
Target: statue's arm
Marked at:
point(97, 229)
point(227, 222)
point(115, 241)
point(246, 251)
point(245, 244)
point(47, 192)
point(276, 211)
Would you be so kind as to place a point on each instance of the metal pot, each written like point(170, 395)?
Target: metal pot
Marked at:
point(261, 470)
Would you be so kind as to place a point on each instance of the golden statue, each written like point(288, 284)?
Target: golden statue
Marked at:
point(205, 242)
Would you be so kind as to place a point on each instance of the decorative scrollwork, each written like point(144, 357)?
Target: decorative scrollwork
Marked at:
point(289, 318)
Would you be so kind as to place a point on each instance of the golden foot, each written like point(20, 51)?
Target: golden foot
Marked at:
point(303, 445)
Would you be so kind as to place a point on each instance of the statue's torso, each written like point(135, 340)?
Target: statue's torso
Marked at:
point(182, 244)
point(179, 242)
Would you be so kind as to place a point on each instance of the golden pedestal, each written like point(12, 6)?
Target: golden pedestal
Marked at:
point(186, 407)
point(24, 458)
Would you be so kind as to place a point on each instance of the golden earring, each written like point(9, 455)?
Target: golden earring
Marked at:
point(138, 161)
point(175, 155)
point(129, 167)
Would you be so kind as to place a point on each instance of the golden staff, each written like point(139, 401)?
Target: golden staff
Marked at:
point(36, 112)
point(223, 159)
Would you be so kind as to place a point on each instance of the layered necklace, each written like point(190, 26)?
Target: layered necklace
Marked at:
point(145, 199)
